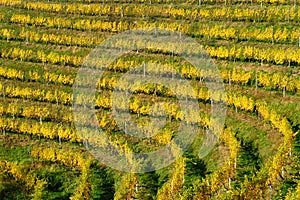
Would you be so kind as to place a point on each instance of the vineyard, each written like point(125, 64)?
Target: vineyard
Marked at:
point(49, 148)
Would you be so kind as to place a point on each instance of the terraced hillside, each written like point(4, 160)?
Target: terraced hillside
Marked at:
point(255, 46)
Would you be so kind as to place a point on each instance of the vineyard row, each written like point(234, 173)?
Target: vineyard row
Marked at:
point(234, 13)
point(276, 81)
point(269, 34)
